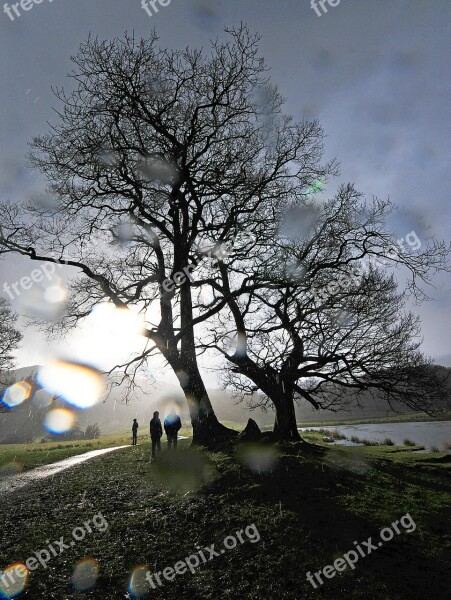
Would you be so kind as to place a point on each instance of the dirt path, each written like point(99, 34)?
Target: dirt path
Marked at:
point(14, 482)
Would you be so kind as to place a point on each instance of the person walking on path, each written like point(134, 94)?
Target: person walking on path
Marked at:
point(156, 432)
point(135, 432)
point(172, 425)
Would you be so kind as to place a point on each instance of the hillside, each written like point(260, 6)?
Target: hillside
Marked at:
point(24, 423)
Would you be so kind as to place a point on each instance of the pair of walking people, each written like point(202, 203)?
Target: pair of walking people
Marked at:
point(172, 425)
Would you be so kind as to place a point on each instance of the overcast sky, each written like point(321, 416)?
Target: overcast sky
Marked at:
point(375, 73)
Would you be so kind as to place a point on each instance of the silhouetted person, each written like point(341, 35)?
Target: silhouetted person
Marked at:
point(156, 432)
point(135, 432)
point(172, 425)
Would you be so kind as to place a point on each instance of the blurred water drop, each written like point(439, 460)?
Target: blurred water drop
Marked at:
point(409, 221)
point(355, 462)
point(228, 343)
point(59, 420)
point(55, 294)
point(42, 399)
point(154, 85)
point(264, 102)
point(206, 15)
point(184, 471)
point(235, 344)
point(221, 250)
point(17, 394)
point(10, 172)
point(155, 167)
point(240, 345)
point(138, 586)
point(111, 335)
point(109, 158)
point(295, 272)
point(121, 321)
point(183, 377)
point(44, 201)
point(151, 235)
point(12, 468)
point(207, 298)
point(344, 319)
point(13, 580)
point(300, 222)
point(78, 384)
point(85, 575)
point(262, 97)
point(244, 240)
point(258, 458)
point(172, 402)
point(123, 233)
point(44, 301)
point(318, 186)
point(205, 251)
point(202, 245)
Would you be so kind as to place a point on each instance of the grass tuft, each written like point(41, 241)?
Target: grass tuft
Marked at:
point(370, 442)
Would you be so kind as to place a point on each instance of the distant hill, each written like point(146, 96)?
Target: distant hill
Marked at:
point(368, 406)
point(24, 423)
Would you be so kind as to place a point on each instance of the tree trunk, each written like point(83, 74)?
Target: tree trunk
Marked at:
point(280, 394)
point(207, 430)
point(285, 426)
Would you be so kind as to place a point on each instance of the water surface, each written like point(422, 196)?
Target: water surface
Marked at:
point(427, 434)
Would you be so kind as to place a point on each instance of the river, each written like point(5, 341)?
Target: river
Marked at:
point(428, 434)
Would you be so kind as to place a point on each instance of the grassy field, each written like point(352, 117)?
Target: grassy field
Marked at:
point(21, 457)
point(308, 507)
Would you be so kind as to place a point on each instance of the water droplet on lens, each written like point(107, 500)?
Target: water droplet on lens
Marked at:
point(59, 420)
point(78, 384)
point(17, 394)
point(13, 581)
point(257, 457)
point(183, 471)
point(85, 575)
point(139, 585)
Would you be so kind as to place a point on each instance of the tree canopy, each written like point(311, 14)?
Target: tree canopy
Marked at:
point(158, 161)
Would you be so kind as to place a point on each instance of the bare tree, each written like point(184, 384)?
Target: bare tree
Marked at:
point(9, 340)
point(168, 150)
point(92, 432)
point(323, 319)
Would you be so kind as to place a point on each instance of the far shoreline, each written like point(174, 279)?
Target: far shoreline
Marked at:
point(405, 418)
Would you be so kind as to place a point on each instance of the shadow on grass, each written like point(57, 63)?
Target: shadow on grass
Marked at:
point(306, 486)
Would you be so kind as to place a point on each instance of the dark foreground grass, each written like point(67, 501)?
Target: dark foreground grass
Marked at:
point(308, 509)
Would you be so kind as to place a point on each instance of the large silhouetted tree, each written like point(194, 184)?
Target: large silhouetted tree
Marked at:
point(322, 319)
point(167, 150)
